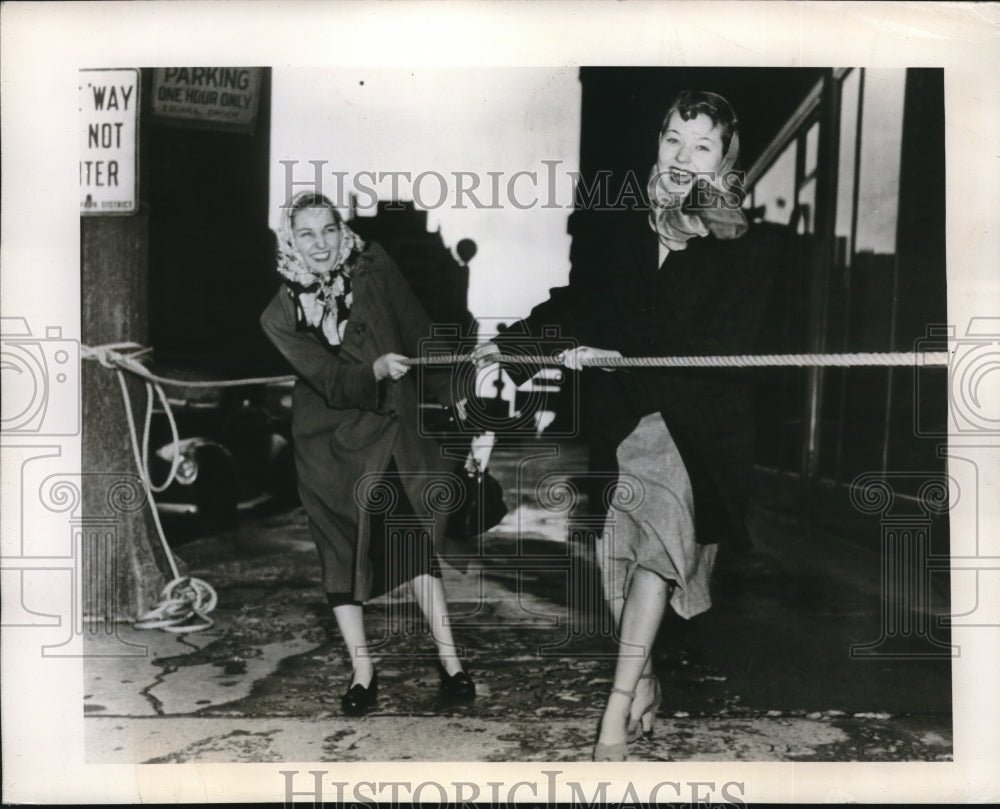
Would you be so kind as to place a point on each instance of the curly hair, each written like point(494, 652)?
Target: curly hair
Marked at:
point(690, 103)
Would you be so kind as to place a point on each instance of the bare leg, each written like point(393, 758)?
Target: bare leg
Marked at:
point(645, 692)
point(645, 689)
point(641, 615)
point(352, 629)
point(428, 591)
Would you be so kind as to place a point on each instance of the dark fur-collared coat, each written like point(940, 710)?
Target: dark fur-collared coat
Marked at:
point(347, 427)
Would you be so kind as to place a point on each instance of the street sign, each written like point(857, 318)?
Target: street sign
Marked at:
point(109, 124)
point(221, 98)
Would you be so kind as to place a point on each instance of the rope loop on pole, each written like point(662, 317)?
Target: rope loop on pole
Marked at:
point(184, 598)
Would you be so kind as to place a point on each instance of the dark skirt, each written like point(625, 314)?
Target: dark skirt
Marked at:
point(400, 545)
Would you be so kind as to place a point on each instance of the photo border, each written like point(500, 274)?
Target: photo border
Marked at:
point(45, 44)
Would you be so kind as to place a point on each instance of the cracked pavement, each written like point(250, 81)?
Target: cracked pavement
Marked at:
point(765, 675)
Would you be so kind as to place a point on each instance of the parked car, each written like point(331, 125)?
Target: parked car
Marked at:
point(235, 452)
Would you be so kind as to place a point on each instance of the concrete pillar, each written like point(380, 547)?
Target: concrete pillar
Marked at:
point(114, 292)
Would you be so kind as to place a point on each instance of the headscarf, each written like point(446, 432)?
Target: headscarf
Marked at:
point(322, 300)
point(676, 219)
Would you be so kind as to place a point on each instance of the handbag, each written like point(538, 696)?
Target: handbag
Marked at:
point(482, 506)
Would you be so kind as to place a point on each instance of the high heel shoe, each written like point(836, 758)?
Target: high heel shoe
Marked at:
point(616, 750)
point(359, 699)
point(642, 725)
point(457, 686)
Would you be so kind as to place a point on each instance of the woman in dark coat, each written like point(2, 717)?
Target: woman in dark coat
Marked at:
point(345, 319)
point(686, 276)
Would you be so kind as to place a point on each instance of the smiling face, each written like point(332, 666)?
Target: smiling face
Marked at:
point(688, 148)
point(316, 235)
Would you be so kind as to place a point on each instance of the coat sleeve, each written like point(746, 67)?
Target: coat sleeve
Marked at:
point(414, 327)
point(341, 384)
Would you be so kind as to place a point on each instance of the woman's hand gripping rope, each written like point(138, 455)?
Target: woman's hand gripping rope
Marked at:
point(390, 366)
point(576, 358)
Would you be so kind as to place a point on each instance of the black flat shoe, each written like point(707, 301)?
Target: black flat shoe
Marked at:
point(359, 699)
point(458, 686)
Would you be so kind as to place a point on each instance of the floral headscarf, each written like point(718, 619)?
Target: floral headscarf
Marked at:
point(676, 220)
point(322, 300)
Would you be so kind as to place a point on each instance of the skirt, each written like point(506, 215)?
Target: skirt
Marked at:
point(650, 523)
point(399, 547)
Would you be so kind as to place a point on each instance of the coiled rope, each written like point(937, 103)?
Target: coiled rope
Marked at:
point(186, 598)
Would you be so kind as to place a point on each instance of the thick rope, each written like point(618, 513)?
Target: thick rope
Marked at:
point(185, 597)
point(722, 361)
point(110, 356)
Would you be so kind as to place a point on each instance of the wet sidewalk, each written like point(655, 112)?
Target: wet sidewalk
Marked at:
point(765, 675)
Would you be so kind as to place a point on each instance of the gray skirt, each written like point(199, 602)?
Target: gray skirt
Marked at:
point(650, 523)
